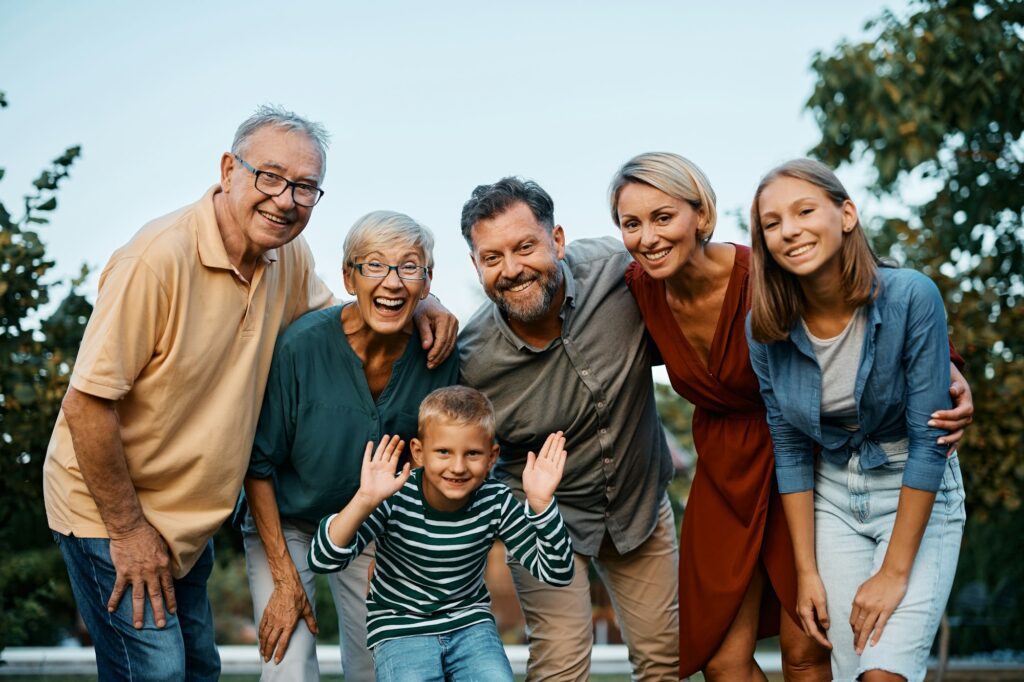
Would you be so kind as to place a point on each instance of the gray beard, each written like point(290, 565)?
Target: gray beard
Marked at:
point(537, 310)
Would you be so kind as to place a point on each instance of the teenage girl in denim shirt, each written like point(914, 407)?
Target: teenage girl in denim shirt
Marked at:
point(853, 358)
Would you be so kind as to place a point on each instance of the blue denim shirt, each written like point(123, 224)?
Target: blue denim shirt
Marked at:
point(902, 378)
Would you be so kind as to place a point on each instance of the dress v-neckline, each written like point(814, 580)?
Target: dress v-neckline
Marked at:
point(715, 354)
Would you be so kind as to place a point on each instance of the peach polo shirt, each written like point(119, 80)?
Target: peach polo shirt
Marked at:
point(183, 344)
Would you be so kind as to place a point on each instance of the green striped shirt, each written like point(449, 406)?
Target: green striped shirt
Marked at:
point(429, 577)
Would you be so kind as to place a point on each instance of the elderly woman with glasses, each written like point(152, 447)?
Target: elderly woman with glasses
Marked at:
point(340, 377)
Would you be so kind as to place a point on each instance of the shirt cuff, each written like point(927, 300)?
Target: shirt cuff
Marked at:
point(794, 478)
point(924, 475)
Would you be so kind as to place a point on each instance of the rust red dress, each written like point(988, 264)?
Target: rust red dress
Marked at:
point(734, 519)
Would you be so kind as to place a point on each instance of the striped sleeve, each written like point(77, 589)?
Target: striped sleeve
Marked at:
point(326, 557)
point(540, 542)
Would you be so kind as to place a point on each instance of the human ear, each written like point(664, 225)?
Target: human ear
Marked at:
point(849, 216)
point(495, 450)
point(416, 447)
point(558, 236)
point(227, 166)
point(346, 276)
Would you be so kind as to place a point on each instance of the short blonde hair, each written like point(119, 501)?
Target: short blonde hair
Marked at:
point(674, 175)
point(459, 404)
point(386, 228)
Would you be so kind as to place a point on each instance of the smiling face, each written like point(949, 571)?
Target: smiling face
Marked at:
point(264, 222)
point(803, 227)
point(516, 258)
point(658, 230)
point(456, 459)
point(386, 305)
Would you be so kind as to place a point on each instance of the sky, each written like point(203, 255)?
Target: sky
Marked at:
point(424, 101)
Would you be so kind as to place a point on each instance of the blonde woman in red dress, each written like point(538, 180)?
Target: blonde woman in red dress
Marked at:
point(737, 581)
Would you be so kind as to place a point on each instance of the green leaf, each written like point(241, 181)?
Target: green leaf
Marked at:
point(48, 205)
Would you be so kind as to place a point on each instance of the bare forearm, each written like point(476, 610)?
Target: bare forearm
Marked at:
point(262, 501)
point(96, 435)
point(799, 510)
point(915, 506)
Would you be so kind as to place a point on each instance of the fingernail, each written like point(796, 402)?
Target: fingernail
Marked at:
point(935, 415)
point(161, 623)
point(138, 625)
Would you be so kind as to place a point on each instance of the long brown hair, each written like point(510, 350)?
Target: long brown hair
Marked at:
point(777, 301)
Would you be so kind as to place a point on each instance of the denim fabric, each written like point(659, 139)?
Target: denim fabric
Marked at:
point(469, 654)
point(184, 649)
point(854, 514)
point(348, 590)
point(903, 377)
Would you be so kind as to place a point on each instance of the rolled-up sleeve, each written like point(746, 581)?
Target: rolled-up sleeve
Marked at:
point(276, 430)
point(926, 359)
point(794, 452)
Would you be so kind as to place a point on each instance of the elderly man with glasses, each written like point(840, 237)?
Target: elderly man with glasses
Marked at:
point(149, 452)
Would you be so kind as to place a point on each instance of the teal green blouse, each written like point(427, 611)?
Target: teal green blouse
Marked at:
point(318, 413)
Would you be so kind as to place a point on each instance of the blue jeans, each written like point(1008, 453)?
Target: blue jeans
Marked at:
point(854, 513)
point(469, 654)
point(184, 649)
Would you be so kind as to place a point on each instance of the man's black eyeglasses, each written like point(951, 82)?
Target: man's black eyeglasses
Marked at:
point(273, 185)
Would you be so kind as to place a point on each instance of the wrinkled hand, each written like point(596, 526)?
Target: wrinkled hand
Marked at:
point(812, 608)
point(873, 604)
point(438, 329)
point(288, 603)
point(955, 420)
point(377, 480)
point(543, 472)
point(141, 561)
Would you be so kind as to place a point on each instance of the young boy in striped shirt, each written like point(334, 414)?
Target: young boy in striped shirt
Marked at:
point(428, 612)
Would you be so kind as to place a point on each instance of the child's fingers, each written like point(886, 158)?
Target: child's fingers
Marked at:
point(403, 476)
point(382, 447)
point(531, 460)
point(368, 452)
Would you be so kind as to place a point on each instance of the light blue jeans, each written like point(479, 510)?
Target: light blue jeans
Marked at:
point(854, 513)
point(348, 589)
point(469, 654)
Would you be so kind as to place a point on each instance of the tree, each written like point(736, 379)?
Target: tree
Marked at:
point(936, 100)
point(36, 354)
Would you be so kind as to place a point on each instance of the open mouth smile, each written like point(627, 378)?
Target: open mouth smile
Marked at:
point(389, 304)
point(799, 251)
point(277, 220)
point(657, 255)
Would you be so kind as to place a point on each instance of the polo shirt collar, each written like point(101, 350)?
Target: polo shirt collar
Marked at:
point(212, 253)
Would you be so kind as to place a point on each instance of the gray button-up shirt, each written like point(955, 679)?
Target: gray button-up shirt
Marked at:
point(594, 384)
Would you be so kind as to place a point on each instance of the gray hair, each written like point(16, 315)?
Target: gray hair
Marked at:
point(386, 228)
point(279, 117)
point(674, 175)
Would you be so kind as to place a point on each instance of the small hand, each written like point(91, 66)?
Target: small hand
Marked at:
point(141, 560)
point(812, 609)
point(288, 603)
point(873, 604)
point(438, 329)
point(543, 472)
point(955, 420)
point(377, 481)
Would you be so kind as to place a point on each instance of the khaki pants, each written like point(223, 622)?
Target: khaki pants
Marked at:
point(644, 587)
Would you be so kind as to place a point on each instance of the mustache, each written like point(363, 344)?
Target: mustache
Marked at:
point(506, 283)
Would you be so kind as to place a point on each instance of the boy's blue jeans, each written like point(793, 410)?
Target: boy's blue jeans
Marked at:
point(469, 654)
point(184, 649)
